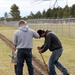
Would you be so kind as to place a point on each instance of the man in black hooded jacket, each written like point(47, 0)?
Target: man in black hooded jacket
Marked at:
point(52, 43)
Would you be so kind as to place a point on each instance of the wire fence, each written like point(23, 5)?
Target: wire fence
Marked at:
point(62, 27)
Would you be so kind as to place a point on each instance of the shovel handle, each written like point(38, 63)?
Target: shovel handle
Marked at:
point(45, 63)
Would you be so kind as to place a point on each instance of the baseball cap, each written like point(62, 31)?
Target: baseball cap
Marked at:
point(22, 21)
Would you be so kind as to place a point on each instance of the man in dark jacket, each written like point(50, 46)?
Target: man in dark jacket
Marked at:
point(52, 43)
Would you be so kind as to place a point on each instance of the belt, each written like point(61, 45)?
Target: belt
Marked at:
point(24, 48)
point(56, 48)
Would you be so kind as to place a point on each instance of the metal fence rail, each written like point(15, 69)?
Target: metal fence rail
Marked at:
point(62, 27)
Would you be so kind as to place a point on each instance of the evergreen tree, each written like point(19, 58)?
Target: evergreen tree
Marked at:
point(44, 14)
point(6, 15)
point(72, 11)
point(60, 12)
point(15, 13)
point(38, 15)
point(49, 13)
point(66, 12)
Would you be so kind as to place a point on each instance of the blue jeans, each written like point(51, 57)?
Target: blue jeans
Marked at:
point(54, 62)
point(24, 54)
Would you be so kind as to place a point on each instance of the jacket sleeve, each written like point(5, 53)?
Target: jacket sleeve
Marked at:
point(15, 39)
point(46, 43)
point(35, 34)
point(42, 46)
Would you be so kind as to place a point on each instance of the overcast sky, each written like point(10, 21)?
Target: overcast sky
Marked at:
point(26, 6)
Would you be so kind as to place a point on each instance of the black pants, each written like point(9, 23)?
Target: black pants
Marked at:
point(15, 69)
point(24, 54)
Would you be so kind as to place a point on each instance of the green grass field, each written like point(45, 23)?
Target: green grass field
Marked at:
point(67, 58)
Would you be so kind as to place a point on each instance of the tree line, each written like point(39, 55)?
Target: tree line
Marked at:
point(59, 12)
point(54, 13)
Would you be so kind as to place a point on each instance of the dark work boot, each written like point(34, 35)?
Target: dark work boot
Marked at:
point(66, 74)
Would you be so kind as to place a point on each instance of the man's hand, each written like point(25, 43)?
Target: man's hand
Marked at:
point(39, 49)
point(14, 47)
